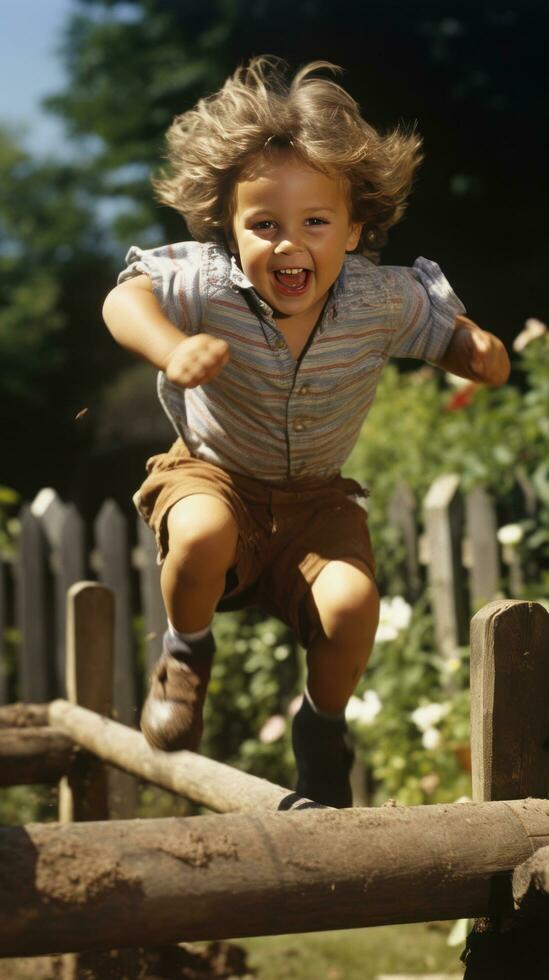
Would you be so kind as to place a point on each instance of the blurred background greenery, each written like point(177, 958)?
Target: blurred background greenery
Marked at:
point(79, 415)
point(472, 75)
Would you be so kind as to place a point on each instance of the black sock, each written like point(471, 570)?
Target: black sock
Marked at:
point(307, 718)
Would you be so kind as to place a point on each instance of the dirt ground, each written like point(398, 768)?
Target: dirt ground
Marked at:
point(211, 961)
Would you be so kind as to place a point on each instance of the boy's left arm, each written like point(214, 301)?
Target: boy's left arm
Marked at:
point(475, 354)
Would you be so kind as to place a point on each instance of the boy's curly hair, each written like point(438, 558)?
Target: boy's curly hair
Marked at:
point(258, 112)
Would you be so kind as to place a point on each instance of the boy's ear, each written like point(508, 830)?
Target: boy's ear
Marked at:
point(353, 238)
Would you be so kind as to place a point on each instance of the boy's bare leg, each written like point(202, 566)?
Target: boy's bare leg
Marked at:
point(202, 547)
point(344, 602)
point(345, 599)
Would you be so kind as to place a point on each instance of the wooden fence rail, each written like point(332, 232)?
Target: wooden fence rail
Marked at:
point(131, 883)
point(449, 540)
point(109, 884)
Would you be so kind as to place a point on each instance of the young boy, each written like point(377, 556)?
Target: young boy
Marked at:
point(270, 332)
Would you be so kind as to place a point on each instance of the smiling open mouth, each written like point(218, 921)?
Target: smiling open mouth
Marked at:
point(292, 281)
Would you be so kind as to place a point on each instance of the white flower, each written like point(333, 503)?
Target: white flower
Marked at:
point(385, 633)
point(532, 330)
point(363, 710)
point(456, 381)
point(510, 534)
point(372, 704)
point(431, 738)
point(273, 729)
point(353, 709)
point(394, 615)
point(428, 715)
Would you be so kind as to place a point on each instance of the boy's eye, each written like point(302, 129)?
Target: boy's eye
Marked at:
point(264, 225)
point(316, 221)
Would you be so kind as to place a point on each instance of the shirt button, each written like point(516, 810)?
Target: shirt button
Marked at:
point(299, 426)
point(304, 390)
point(279, 343)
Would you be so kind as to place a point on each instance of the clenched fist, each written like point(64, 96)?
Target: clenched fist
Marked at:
point(196, 360)
point(485, 353)
point(475, 354)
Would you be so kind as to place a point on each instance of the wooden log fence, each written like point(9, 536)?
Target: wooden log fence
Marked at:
point(455, 550)
point(247, 871)
point(131, 883)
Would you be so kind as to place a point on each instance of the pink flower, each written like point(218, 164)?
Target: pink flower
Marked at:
point(273, 729)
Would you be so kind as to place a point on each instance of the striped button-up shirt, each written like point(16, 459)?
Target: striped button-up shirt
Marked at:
point(266, 414)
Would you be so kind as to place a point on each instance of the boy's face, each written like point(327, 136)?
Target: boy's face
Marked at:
point(291, 230)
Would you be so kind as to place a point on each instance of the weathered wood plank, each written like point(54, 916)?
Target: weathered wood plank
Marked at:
point(154, 614)
point(112, 564)
point(111, 541)
point(481, 523)
point(509, 730)
point(64, 530)
point(402, 515)
point(217, 786)
point(531, 886)
point(139, 882)
point(36, 669)
point(22, 715)
point(509, 697)
point(447, 580)
point(90, 630)
point(34, 755)
point(69, 567)
point(3, 625)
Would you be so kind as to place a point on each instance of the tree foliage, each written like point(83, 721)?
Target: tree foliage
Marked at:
point(472, 76)
point(51, 264)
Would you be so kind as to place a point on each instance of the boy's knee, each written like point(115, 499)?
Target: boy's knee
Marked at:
point(202, 536)
point(347, 601)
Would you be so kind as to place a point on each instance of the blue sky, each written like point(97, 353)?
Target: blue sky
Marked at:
point(30, 69)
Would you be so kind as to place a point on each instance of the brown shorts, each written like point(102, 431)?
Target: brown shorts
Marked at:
point(288, 531)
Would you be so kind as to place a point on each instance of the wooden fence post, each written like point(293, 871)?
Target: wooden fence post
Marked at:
point(510, 761)
point(509, 698)
point(84, 795)
point(36, 667)
point(90, 628)
point(3, 623)
point(444, 526)
point(482, 547)
point(111, 561)
point(402, 515)
point(64, 531)
point(154, 614)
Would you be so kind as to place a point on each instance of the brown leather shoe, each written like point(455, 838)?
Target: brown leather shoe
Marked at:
point(172, 714)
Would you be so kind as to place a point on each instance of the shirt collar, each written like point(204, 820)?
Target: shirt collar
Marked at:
point(239, 281)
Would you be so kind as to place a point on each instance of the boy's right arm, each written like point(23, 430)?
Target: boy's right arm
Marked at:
point(136, 320)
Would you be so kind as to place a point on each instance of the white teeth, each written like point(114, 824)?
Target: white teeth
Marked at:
point(291, 272)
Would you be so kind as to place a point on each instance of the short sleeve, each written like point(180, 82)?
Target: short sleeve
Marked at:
point(423, 310)
point(174, 271)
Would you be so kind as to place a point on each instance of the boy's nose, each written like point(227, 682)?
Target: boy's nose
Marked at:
point(287, 246)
